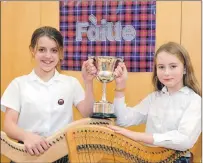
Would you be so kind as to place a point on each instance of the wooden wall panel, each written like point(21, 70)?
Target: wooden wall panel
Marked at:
point(191, 33)
point(19, 20)
point(168, 22)
point(191, 40)
point(49, 13)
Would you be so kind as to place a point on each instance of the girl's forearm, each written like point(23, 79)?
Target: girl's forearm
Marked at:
point(119, 94)
point(14, 132)
point(89, 100)
point(138, 136)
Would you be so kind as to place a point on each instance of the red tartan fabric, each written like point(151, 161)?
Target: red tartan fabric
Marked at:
point(137, 53)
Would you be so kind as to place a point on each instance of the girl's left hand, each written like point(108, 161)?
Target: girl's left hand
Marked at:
point(121, 75)
point(89, 71)
point(136, 136)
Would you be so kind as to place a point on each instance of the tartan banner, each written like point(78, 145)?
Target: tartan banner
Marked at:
point(119, 28)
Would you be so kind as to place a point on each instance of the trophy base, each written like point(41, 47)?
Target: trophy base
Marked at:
point(102, 110)
point(103, 115)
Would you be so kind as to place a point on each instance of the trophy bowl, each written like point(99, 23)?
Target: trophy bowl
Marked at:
point(105, 68)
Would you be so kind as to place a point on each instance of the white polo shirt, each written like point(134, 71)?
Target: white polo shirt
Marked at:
point(44, 107)
point(174, 120)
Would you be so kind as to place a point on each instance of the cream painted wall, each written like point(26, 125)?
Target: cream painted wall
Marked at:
point(19, 19)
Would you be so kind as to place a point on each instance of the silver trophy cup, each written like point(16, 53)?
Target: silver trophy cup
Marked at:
point(105, 67)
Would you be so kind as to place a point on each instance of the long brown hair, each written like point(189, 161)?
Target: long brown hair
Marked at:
point(181, 53)
point(52, 33)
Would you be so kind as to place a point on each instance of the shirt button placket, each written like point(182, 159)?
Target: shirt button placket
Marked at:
point(48, 116)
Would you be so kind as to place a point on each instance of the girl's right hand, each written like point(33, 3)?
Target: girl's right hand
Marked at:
point(89, 71)
point(35, 144)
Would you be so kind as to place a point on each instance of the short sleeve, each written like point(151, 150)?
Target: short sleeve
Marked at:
point(11, 97)
point(79, 94)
